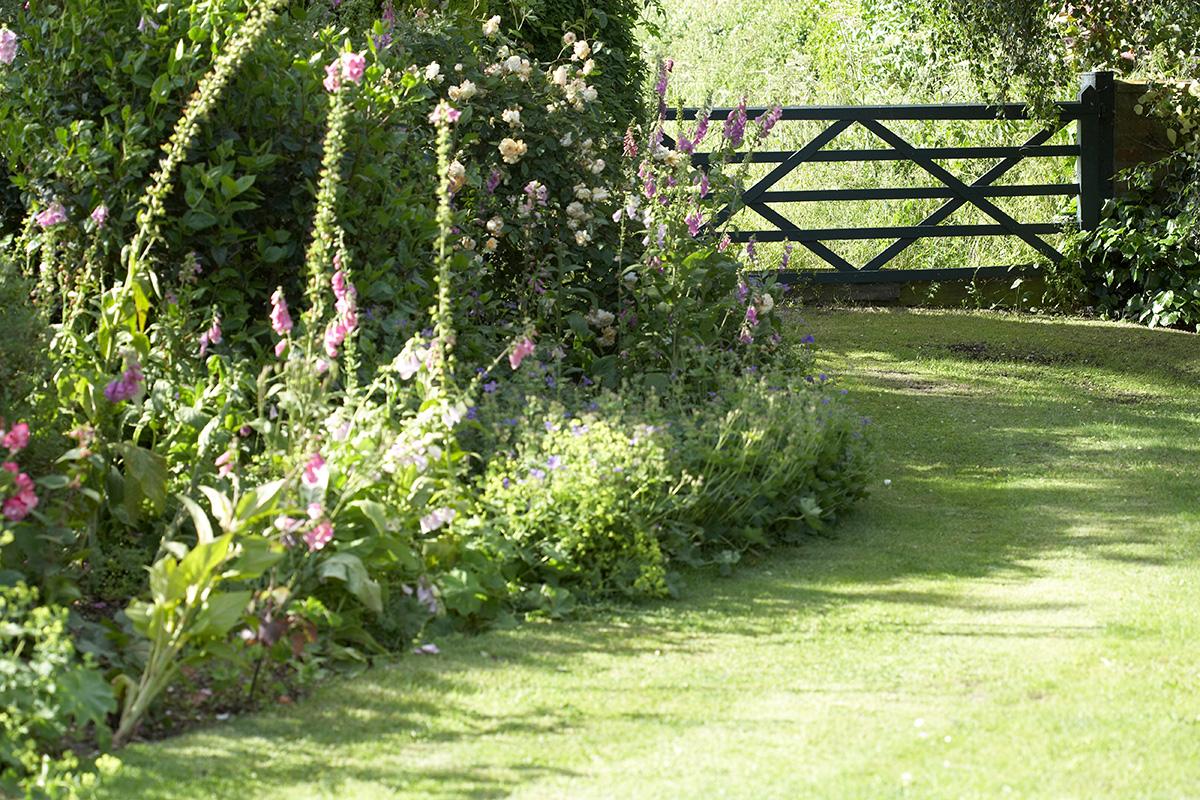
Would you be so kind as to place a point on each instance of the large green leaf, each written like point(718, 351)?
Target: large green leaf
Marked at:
point(350, 570)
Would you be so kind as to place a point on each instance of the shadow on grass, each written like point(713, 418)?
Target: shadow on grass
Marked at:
point(985, 484)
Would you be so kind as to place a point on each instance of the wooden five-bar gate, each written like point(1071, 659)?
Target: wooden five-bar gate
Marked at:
point(1093, 113)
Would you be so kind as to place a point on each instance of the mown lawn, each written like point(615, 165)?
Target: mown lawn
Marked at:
point(1015, 612)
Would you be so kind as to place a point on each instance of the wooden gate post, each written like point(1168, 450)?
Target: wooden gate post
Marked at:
point(1097, 146)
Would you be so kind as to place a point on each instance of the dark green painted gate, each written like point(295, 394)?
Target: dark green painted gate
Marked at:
point(1093, 113)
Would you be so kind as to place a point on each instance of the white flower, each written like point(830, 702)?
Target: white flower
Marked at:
point(599, 318)
point(582, 238)
point(559, 76)
point(512, 63)
point(583, 193)
point(582, 51)
point(588, 67)
point(576, 210)
point(589, 94)
point(765, 304)
point(568, 39)
point(491, 244)
point(600, 194)
point(464, 91)
point(598, 166)
point(433, 72)
point(511, 150)
point(436, 519)
point(468, 243)
point(495, 224)
point(566, 140)
point(492, 26)
point(608, 337)
point(512, 116)
point(457, 175)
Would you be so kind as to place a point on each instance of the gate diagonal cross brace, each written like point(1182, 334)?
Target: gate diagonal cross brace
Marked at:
point(966, 193)
point(950, 206)
point(797, 158)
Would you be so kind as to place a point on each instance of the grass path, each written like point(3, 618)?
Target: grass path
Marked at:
point(1017, 613)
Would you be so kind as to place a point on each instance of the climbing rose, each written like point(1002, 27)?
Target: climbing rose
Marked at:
point(492, 26)
point(523, 349)
point(8, 46)
point(16, 439)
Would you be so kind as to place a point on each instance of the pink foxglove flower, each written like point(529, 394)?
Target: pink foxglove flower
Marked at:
point(281, 321)
point(333, 76)
point(316, 471)
point(211, 336)
point(224, 463)
point(444, 114)
point(354, 65)
point(55, 214)
point(16, 439)
point(8, 46)
point(127, 386)
point(735, 124)
point(694, 221)
point(523, 350)
point(319, 536)
point(100, 215)
point(24, 500)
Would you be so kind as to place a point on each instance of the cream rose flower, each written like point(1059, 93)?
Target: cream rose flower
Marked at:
point(511, 150)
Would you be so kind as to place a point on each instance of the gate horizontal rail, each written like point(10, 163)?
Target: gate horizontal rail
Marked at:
point(1092, 113)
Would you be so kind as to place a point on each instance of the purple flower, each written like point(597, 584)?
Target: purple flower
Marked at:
point(100, 215)
point(554, 462)
point(694, 221)
point(735, 124)
point(493, 180)
point(491, 386)
point(704, 185)
point(809, 340)
point(537, 474)
point(768, 120)
point(126, 387)
point(664, 72)
point(54, 214)
point(752, 315)
point(631, 148)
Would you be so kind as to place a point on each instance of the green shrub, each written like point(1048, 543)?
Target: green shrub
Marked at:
point(1143, 262)
point(23, 356)
point(583, 499)
point(47, 693)
point(777, 458)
